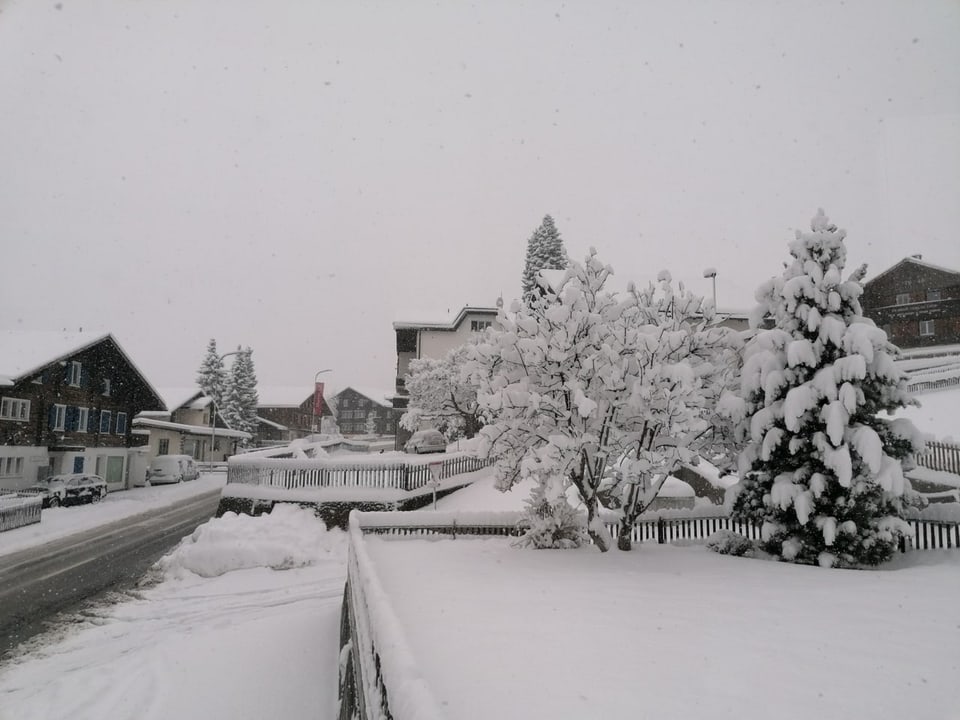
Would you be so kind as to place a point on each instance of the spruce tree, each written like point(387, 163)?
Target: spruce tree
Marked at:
point(212, 377)
point(545, 251)
point(821, 471)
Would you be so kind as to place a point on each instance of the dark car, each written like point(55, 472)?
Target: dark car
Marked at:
point(70, 489)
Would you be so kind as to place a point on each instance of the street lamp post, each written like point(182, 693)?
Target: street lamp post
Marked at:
point(712, 274)
point(313, 422)
point(213, 401)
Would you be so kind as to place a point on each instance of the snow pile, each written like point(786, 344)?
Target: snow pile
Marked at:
point(289, 537)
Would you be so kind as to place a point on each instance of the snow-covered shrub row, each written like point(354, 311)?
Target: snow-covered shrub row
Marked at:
point(728, 542)
point(820, 471)
point(289, 536)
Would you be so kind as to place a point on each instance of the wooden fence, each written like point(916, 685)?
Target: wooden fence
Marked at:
point(296, 474)
point(19, 510)
point(927, 534)
point(941, 456)
point(924, 385)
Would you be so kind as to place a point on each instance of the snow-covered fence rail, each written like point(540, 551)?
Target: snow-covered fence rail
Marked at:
point(932, 535)
point(941, 456)
point(379, 676)
point(18, 510)
point(927, 534)
point(349, 472)
point(925, 383)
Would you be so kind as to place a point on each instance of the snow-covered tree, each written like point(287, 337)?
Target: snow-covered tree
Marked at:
point(544, 252)
point(579, 378)
point(821, 471)
point(239, 409)
point(443, 394)
point(371, 427)
point(211, 378)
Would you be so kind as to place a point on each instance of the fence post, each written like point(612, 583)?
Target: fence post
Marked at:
point(661, 531)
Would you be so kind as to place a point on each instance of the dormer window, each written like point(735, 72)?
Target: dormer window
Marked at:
point(74, 370)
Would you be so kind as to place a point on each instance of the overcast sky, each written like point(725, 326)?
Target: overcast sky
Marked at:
point(295, 176)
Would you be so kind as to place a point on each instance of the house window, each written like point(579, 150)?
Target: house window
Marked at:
point(903, 298)
point(164, 447)
point(83, 419)
point(14, 409)
point(478, 325)
point(73, 373)
point(121, 423)
point(105, 421)
point(58, 419)
point(933, 295)
point(11, 466)
point(926, 328)
point(106, 387)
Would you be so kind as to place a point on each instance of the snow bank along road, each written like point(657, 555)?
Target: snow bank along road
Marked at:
point(40, 581)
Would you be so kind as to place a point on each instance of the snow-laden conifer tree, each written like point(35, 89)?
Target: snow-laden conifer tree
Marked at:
point(544, 252)
point(441, 393)
point(821, 472)
point(371, 426)
point(239, 408)
point(577, 379)
point(211, 378)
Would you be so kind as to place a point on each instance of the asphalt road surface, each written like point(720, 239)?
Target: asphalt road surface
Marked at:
point(38, 583)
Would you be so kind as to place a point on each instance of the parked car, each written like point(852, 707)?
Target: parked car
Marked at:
point(167, 469)
point(426, 441)
point(71, 489)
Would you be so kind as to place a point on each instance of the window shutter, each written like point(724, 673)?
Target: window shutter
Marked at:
point(66, 372)
point(84, 375)
point(52, 416)
point(71, 418)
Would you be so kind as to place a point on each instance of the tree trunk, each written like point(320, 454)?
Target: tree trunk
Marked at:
point(595, 527)
point(625, 539)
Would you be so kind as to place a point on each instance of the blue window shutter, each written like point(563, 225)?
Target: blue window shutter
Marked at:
point(66, 372)
point(84, 375)
point(52, 416)
point(71, 418)
point(91, 416)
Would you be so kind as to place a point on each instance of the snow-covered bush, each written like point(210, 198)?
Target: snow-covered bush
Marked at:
point(442, 394)
point(549, 521)
point(728, 542)
point(821, 472)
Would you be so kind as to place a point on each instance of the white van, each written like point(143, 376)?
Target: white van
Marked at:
point(166, 469)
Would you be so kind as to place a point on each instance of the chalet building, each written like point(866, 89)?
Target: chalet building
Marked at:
point(287, 413)
point(916, 303)
point(66, 405)
point(356, 407)
point(185, 428)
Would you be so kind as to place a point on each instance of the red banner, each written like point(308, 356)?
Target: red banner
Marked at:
point(318, 400)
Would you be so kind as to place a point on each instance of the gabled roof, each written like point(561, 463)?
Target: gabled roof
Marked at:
point(380, 397)
point(190, 429)
point(25, 352)
point(914, 261)
point(449, 324)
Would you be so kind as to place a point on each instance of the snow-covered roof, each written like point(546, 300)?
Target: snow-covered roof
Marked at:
point(378, 395)
point(190, 429)
point(271, 423)
point(284, 396)
point(914, 261)
point(178, 397)
point(449, 323)
point(24, 352)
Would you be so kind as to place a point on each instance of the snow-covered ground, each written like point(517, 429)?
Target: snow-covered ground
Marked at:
point(938, 414)
point(671, 632)
point(241, 621)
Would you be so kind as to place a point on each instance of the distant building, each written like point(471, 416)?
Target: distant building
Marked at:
point(916, 303)
point(356, 405)
point(66, 405)
point(287, 413)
